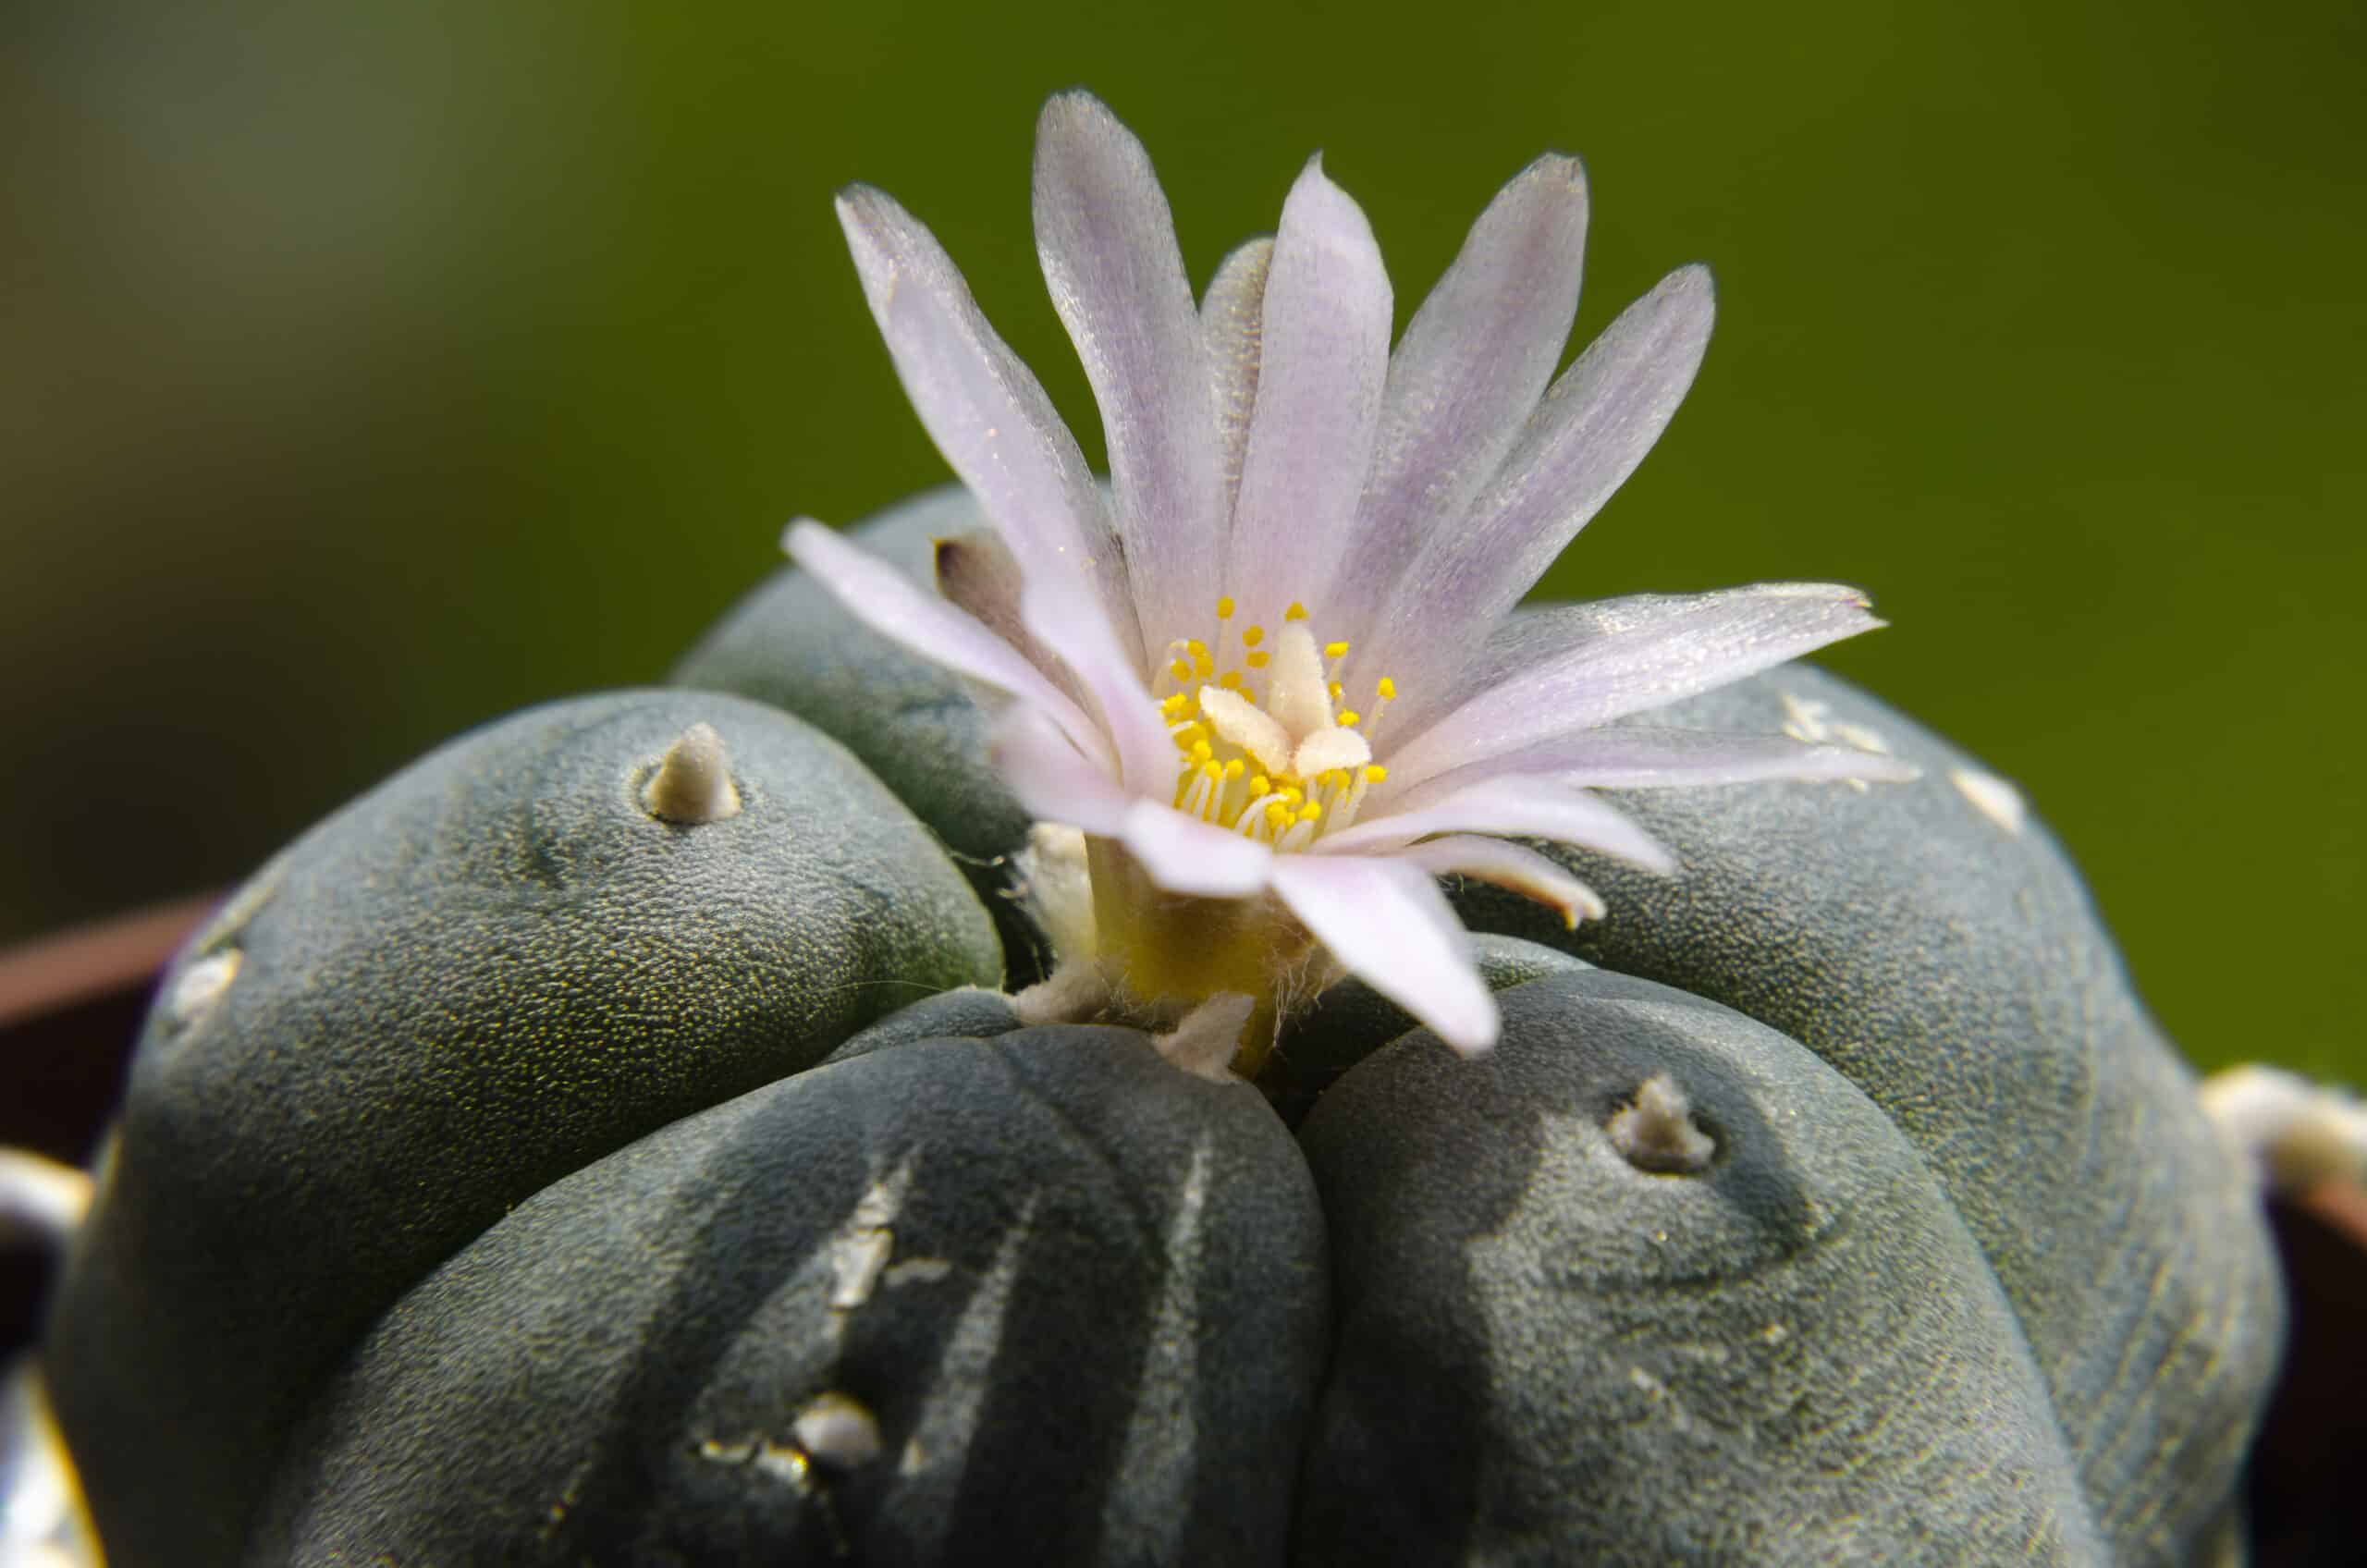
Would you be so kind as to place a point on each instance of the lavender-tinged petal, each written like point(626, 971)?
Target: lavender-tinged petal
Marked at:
point(979, 574)
point(1507, 864)
point(894, 605)
point(1325, 355)
point(983, 408)
point(1062, 615)
point(1183, 855)
point(1468, 372)
point(1233, 317)
point(1048, 776)
point(1594, 428)
point(1573, 666)
point(1528, 808)
point(1388, 925)
point(1108, 245)
point(1635, 758)
point(1536, 637)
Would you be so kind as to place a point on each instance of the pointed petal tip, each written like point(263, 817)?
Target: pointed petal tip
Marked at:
point(858, 204)
point(1332, 204)
point(1077, 132)
point(869, 217)
point(1073, 106)
point(1566, 167)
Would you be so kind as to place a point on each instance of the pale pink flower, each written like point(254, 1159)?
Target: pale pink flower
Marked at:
point(1267, 672)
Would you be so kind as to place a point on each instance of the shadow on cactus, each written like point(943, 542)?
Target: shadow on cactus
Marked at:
point(1208, 1038)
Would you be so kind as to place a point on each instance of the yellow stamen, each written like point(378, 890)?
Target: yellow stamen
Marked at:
point(1260, 784)
point(1254, 636)
point(1349, 717)
point(1181, 671)
point(1277, 813)
point(1172, 706)
point(1335, 650)
point(1197, 648)
point(1212, 771)
point(1259, 660)
point(1296, 612)
point(1229, 680)
point(1224, 607)
point(1387, 689)
point(1310, 812)
point(1375, 773)
point(1338, 691)
point(1235, 768)
point(1202, 751)
point(1204, 667)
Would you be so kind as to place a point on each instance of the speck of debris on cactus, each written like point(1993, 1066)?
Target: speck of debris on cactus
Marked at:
point(1267, 675)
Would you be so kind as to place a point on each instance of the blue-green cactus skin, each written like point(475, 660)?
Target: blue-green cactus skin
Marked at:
point(471, 981)
point(1935, 945)
point(2027, 1304)
point(1794, 1355)
point(1080, 1294)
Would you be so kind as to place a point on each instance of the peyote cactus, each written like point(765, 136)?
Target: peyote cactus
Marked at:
point(648, 1129)
point(510, 1174)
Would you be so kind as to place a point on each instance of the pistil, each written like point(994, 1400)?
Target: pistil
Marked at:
point(1268, 754)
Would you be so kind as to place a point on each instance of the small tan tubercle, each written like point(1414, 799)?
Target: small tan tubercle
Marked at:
point(1656, 1132)
point(693, 783)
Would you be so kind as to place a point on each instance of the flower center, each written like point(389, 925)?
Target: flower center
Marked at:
point(1264, 752)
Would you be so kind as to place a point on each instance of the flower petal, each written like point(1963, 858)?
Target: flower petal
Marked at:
point(1594, 427)
point(1633, 758)
point(983, 408)
point(1108, 244)
point(1184, 854)
point(1052, 779)
point(1389, 924)
point(1063, 615)
point(894, 605)
point(1468, 372)
point(1233, 317)
point(1507, 864)
point(1573, 666)
point(1324, 358)
point(1528, 808)
point(979, 574)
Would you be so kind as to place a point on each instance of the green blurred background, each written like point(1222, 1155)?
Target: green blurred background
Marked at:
point(371, 370)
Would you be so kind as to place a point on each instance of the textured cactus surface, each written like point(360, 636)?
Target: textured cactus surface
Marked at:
point(489, 972)
point(1933, 943)
point(518, 1171)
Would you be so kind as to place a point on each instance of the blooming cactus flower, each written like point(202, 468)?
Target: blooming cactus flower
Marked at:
point(1256, 673)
